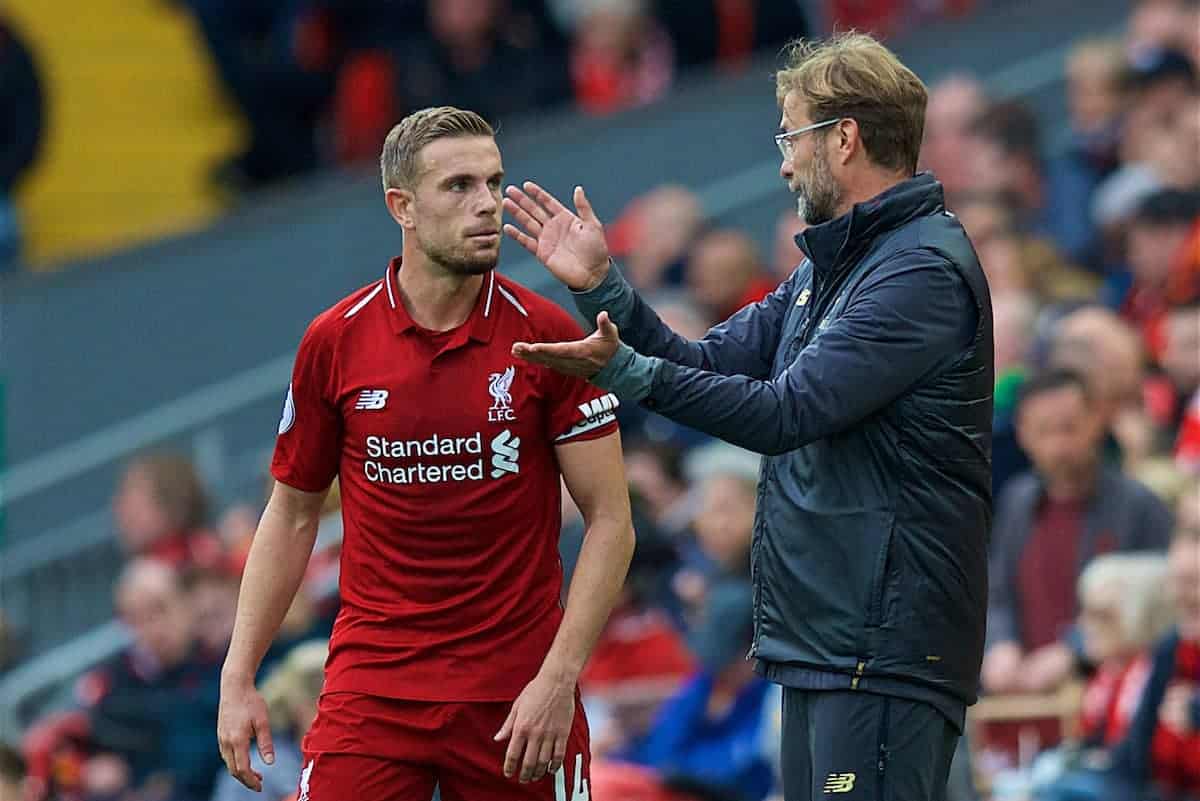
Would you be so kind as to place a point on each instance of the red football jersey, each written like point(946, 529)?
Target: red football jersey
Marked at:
point(444, 448)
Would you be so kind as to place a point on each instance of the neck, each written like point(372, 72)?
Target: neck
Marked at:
point(434, 297)
point(871, 183)
point(1072, 487)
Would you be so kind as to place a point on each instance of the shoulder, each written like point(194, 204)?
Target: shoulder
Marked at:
point(330, 323)
point(542, 317)
point(1020, 490)
point(1120, 485)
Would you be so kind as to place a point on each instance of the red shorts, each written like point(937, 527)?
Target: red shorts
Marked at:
point(368, 748)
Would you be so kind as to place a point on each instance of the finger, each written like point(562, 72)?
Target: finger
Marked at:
point(241, 763)
point(559, 754)
point(262, 736)
point(527, 204)
point(533, 750)
point(506, 729)
point(547, 200)
point(523, 218)
point(584, 206)
point(544, 758)
point(512, 757)
point(560, 350)
point(523, 239)
point(606, 327)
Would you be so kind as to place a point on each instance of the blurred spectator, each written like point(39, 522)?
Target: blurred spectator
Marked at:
point(1125, 609)
point(1157, 24)
point(725, 273)
point(21, 106)
point(728, 31)
point(1049, 524)
point(786, 255)
point(1013, 318)
point(1181, 363)
point(1098, 345)
point(710, 736)
point(1096, 97)
point(954, 104)
point(656, 478)
point(276, 58)
point(290, 692)
point(653, 233)
point(640, 658)
point(161, 508)
point(212, 595)
point(12, 774)
point(495, 57)
point(724, 527)
point(1157, 233)
point(1050, 196)
point(151, 710)
point(620, 57)
point(1160, 756)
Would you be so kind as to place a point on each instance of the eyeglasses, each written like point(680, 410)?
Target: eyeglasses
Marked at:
point(784, 140)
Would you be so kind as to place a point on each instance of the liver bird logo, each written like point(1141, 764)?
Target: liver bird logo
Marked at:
point(499, 385)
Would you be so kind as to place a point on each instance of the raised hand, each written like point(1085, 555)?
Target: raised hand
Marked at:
point(582, 358)
point(570, 245)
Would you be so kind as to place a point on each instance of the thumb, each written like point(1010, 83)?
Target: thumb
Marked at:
point(606, 327)
point(584, 208)
point(507, 728)
point(262, 734)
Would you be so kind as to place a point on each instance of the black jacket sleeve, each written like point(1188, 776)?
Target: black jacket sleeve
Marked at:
point(911, 317)
point(745, 344)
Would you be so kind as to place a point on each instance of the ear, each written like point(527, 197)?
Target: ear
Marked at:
point(399, 203)
point(847, 139)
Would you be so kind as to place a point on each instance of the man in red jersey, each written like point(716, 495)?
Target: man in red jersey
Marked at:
point(452, 662)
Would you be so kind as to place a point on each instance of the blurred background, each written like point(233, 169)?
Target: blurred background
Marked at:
point(185, 183)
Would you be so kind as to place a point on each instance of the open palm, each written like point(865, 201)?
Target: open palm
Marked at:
point(570, 245)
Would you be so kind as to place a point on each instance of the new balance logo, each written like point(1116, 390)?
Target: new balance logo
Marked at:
point(505, 454)
point(371, 399)
point(839, 783)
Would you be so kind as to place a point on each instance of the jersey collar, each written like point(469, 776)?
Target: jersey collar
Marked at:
point(479, 326)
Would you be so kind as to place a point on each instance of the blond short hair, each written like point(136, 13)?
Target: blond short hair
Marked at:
point(1139, 583)
point(297, 679)
point(398, 162)
point(852, 75)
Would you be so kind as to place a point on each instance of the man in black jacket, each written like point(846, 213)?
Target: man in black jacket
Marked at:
point(866, 381)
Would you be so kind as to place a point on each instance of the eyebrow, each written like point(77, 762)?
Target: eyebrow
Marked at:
point(466, 176)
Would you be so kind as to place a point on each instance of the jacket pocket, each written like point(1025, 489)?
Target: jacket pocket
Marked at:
point(824, 573)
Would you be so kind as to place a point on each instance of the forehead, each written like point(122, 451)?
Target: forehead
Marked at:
point(795, 111)
point(476, 155)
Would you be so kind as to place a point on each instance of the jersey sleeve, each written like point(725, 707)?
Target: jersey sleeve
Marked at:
point(578, 410)
point(308, 445)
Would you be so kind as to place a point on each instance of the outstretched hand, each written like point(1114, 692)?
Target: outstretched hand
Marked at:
point(570, 245)
point(583, 357)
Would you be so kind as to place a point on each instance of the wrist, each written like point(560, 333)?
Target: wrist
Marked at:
point(235, 675)
point(596, 276)
point(560, 671)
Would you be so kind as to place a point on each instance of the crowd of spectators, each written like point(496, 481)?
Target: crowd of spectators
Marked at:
point(1090, 238)
point(321, 82)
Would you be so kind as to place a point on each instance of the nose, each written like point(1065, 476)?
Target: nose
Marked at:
point(785, 169)
point(487, 203)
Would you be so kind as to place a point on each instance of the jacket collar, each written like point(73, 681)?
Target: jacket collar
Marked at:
point(833, 245)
